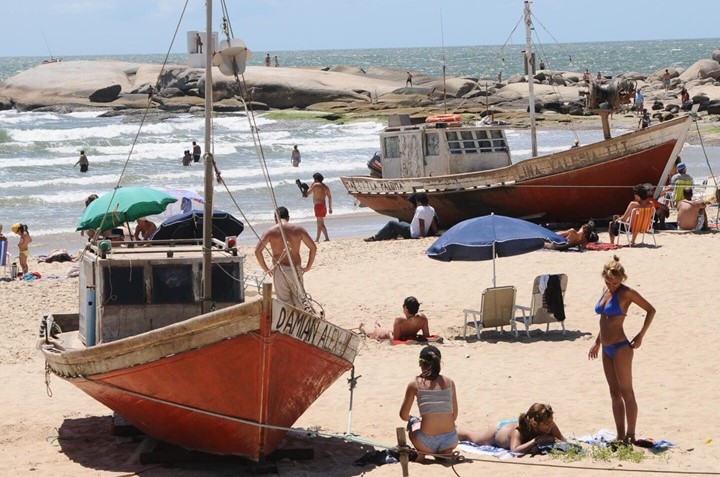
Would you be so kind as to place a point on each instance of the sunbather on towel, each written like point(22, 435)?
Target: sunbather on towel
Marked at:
point(576, 238)
point(404, 328)
point(536, 426)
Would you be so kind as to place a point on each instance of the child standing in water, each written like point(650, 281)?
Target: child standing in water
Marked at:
point(23, 244)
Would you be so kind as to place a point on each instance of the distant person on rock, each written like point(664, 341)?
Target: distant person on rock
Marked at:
point(408, 81)
point(644, 119)
point(275, 59)
point(198, 43)
point(542, 64)
point(684, 95)
point(586, 77)
point(267, 59)
point(666, 80)
point(83, 161)
point(639, 101)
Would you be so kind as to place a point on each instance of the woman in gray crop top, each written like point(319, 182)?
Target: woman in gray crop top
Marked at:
point(617, 349)
point(434, 432)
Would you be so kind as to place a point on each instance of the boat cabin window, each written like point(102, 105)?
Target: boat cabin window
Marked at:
point(432, 144)
point(468, 141)
point(172, 284)
point(226, 282)
point(454, 142)
point(392, 147)
point(499, 143)
point(124, 285)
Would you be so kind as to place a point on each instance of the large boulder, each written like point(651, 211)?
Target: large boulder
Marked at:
point(702, 69)
point(67, 82)
point(107, 94)
point(716, 55)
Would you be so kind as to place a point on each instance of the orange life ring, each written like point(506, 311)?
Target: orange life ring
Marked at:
point(444, 118)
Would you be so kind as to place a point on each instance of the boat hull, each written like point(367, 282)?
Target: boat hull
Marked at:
point(216, 395)
point(589, 182)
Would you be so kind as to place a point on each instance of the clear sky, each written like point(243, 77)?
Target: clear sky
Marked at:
point(99, 27)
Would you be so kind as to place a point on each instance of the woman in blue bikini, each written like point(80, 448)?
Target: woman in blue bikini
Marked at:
point(536, 426)
point(617, 350)
point(434, 431)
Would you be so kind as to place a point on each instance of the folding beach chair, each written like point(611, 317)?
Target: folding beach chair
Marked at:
point(540, 312)
point(640, 222)
point(497, 309)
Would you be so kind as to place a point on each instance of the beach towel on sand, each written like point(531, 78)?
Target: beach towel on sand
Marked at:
point(604, 436)
point(602, 246)
point(419, 339)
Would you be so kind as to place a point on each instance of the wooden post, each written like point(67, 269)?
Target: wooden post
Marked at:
point(604, 115)
point(403, 450)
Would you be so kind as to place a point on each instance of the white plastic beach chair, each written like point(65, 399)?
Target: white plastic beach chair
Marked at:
point(538, 313)
point(497, 309)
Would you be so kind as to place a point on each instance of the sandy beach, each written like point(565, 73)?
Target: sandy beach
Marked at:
point(675, 370)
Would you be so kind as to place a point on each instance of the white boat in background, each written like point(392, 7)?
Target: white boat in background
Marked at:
point(467, 171)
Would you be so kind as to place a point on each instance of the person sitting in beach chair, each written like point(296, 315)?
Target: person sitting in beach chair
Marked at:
point(639, 200)
point(404, 328)
point(534, 427)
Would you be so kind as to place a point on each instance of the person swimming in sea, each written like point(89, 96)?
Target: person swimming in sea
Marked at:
point(617, 350)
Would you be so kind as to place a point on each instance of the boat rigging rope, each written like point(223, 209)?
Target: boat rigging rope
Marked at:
point(555, 87)
point(142, 122)
point(707, 161)
point(304, 298)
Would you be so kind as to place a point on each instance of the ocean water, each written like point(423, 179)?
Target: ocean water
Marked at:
point(40, 187)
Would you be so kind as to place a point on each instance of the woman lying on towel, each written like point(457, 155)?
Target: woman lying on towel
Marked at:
point(434, 431)
point(576, 238)
point(536, 426)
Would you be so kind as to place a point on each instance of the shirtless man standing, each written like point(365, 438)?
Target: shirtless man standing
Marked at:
point(286, 288)
point(320, 192)
point(404, 328)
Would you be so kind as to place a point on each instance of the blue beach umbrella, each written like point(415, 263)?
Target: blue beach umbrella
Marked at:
point(490, 236)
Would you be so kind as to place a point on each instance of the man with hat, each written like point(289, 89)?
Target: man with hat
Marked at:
point(680, 181)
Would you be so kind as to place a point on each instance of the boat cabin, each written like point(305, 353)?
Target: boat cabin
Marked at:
point(442, 145)
point(125, 291)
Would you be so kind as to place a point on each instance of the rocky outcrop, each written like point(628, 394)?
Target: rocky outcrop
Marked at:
point(71, 85)
point(702, 69)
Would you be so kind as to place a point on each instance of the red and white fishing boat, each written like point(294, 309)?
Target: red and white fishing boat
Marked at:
point(165, 338)
point(466, 170)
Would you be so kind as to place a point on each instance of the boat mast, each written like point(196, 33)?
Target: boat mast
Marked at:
point(531, 76)
point(208, 210)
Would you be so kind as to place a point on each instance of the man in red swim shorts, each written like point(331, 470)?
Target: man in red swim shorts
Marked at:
point(320, 192)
